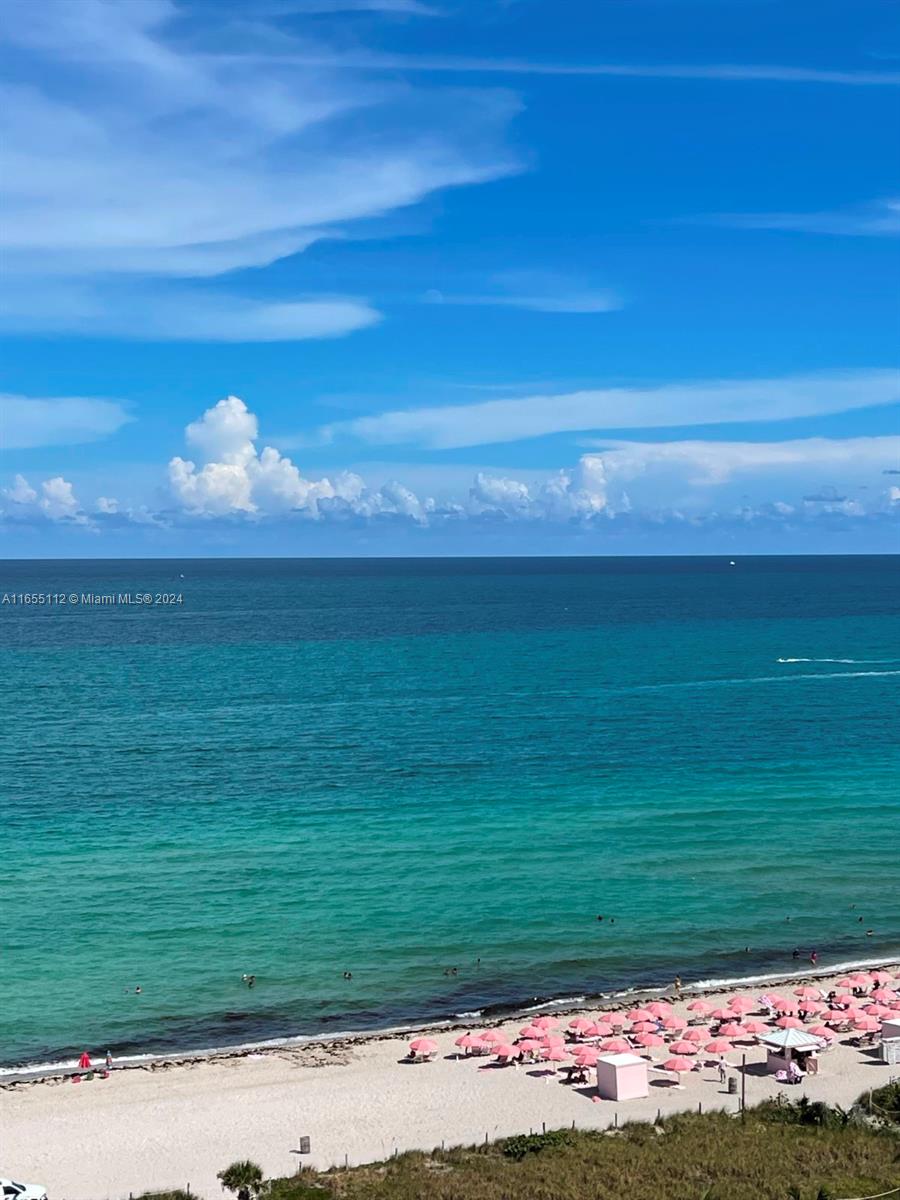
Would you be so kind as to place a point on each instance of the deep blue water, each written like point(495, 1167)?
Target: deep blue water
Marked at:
point(398, 767)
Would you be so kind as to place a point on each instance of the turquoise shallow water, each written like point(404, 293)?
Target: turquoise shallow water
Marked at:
point(395, 768)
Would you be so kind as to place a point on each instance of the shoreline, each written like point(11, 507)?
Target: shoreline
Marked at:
point(334, 1046)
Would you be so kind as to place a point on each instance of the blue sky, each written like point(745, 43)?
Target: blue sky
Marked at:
point(394, 276)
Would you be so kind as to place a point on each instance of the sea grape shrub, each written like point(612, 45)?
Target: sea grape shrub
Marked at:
point(533, 1143)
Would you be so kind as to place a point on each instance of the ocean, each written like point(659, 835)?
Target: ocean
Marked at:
point(435, 775)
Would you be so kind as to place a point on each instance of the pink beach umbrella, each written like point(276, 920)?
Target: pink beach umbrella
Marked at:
point(649, 1040)
point(862, 980)
point(504, 1050)
point(696, 1034)
point(644, 1027)
point(529, 1045)
point(834, 1015)
point(823, 1032)
point(531, 1031)
point(878, 1010)
point(732, 1030)
point(680, 1065)
point(553, 1054)
point(469, 1041)
point(423, 1046)
point(581, 1025)
point(553, 1039)
point(722, 1014)
point(683, 1047)
point(807, 993)
point(615, 1046)
point(493, 1037)
point(640, 1014)
point(789, 1023)
point(884, 995)
point(587, 1056)
point(811, 1008)
point(674, 1023)
point(741, 1004)
point(788, 1007)
point(718, 1046)
point(601, 1029)
point(659, 1008)
point(545, 1022)
point(701, 1007)
point(755, 1027)
point(867, 1024)
point(882, 976)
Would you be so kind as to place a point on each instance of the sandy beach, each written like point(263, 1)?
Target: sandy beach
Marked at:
point(174, 1124)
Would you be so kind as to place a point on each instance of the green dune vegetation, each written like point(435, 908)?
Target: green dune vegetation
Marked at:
point(782, 1150)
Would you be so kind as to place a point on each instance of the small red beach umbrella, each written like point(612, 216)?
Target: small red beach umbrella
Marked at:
point(755, 1027)
point(615, 1046)
point(545, 1022)
point(649, 1040)
point(683, 1047)
point(835, 1015)
point(702, 1007)
point(845, 983)
point(640, 1014)
point(861, 979)
point(674, 1022)
point(85, 1060)
point(777, 1001)
point(529, 1044)
point(659, 1008)
point(423, 1046)
point(469, 1041)
point(882, 976)
point(884, 995)
point(788, 1007)
point(722, 1014)
point(587, 1056)
point(741, 1004)
point(823, 1032)
point(789, 1023)
point(678, 1064)
point(812, 1007)
point(697, 1034)
point(719, 1046)
point(553, 1054)
point(531, 1031)
point(504, 1050)
point(553, 1039)
point(644, 1027)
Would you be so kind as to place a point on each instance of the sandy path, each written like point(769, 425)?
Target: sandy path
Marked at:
point(167, 1128)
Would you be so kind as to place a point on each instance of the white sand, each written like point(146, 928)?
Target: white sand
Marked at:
point(180, 1125)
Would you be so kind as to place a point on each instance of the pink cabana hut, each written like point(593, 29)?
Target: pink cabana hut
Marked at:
point(622, 1077)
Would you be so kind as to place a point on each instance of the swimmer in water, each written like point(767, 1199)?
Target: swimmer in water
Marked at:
point(814, 957)
point(348, 974)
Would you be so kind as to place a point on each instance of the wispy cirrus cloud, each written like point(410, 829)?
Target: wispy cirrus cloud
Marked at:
point(535, 291)
point(881, 218)
point(132, 155)
point(671, 405)
point(27, 421)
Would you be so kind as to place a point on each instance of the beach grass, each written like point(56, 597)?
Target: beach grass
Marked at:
point(779, 1152)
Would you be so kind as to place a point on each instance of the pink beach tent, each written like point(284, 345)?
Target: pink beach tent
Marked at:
point(718, 1046)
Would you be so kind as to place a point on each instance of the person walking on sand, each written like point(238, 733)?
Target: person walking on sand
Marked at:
point(723, 1074)
point(677, 986)
point(108, 1061)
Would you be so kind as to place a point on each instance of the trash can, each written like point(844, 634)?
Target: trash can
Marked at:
point(732, 1085)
